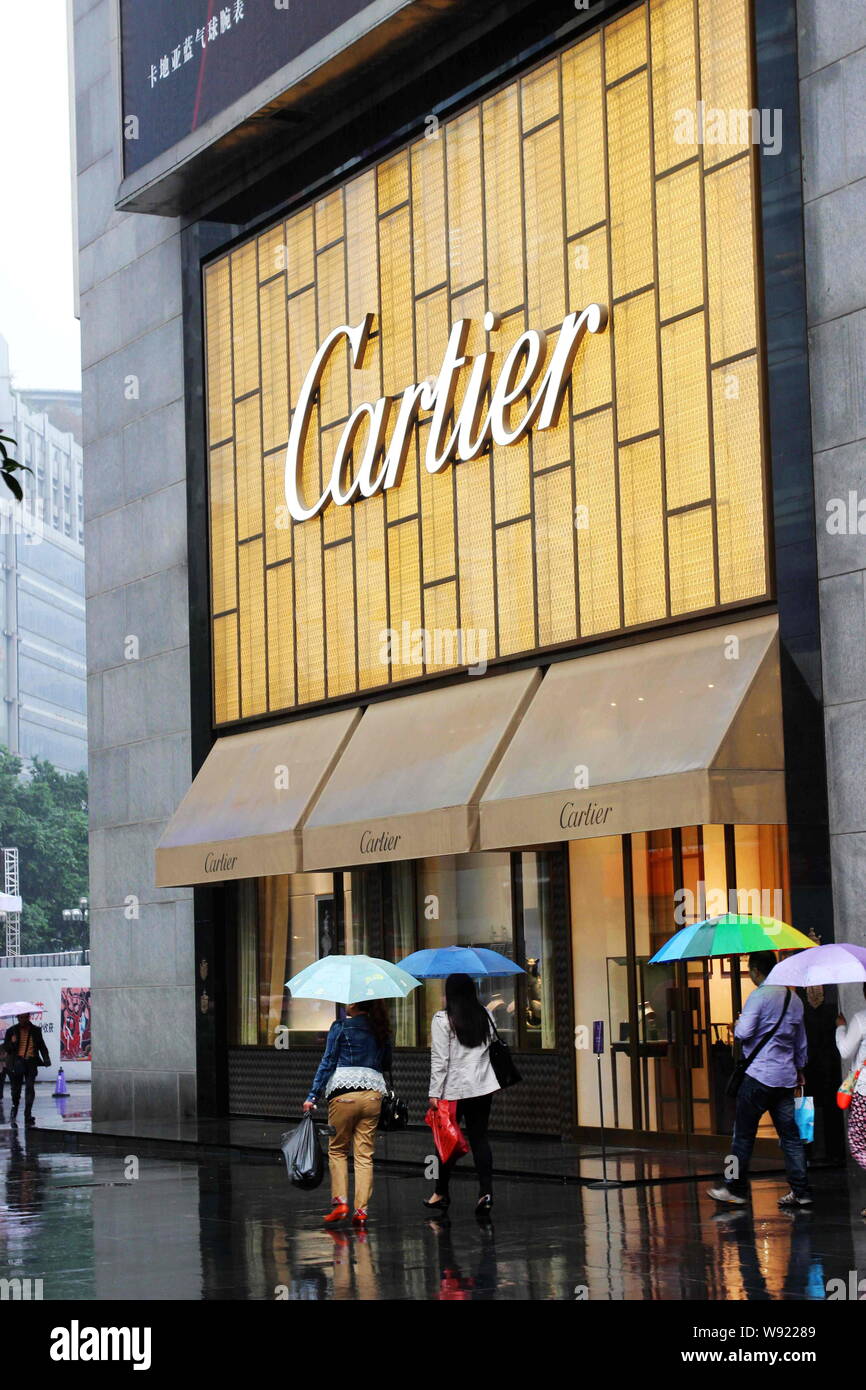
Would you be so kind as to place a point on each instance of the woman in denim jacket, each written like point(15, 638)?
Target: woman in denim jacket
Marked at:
point(350, 1076)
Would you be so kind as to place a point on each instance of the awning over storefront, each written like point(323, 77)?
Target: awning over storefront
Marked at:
point(411, 775)
point(682, 731)
point(241, 817)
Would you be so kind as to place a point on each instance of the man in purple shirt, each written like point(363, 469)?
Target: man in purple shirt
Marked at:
point(769, 1084)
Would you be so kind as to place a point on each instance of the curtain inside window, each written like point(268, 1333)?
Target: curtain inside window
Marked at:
point(356, 895)
point(273, 905)
point(247, 984)
point(400, 942)
point(538, 945)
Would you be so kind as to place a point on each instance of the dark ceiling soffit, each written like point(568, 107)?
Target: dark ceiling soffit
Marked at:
point(176, 183)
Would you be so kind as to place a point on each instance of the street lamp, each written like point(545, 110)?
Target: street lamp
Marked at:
point(77, 914)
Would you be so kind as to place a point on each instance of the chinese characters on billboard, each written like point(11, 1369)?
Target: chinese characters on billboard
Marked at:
point(185, 61)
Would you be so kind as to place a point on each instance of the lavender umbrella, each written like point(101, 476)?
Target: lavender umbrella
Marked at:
point(837, 963)
point(19, 1006)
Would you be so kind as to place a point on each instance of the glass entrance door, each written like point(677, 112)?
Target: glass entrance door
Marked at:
point(680, 877)
point(670, 1027)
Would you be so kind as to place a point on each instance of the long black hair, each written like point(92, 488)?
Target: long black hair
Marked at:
point(379, 1020)
point(466, 1014)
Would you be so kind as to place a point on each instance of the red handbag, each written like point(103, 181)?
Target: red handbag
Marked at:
point(846, 1090)
point(447, 1134)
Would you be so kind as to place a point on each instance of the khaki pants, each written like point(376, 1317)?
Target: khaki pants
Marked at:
point(355, 1117)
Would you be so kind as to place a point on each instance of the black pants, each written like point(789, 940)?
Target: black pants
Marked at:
point(829, 1124)
point(475, 1114)
point(23, 1070)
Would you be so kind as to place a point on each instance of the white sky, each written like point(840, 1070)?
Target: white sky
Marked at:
point(36, 249)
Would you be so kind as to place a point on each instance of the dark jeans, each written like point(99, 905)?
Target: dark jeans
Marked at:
point(23, 1070)
point(475, 1114)
point(753, 1102)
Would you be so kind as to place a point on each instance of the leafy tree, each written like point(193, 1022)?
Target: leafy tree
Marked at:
point(10, 466)
point(44, 814)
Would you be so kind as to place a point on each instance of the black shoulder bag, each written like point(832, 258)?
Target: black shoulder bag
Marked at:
point(739, 1072)
point(395, 1112)
point(501, 1061)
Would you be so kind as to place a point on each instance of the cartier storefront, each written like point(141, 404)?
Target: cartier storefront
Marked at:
point(492, 642)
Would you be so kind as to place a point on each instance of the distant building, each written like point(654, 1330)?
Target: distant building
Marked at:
point(61, 408)
point(42, 651)
point(47, 427)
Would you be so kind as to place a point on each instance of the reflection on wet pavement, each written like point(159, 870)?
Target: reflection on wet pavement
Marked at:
point(135, 1227)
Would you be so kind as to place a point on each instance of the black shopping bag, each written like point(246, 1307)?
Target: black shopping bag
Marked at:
point(302, 1151)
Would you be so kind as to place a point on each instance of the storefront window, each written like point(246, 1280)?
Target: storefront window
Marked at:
point(357, 911)
point(654, 922)
point(761, 853)
point(466, 900)
point(298, 924)
point(761, 859)
point(283, 923)
point(246, 1003)
point(600, 977)
point(707, 1051)
point(273, 896)
point(670, 1026)
point(400, 942)
point(536, 951)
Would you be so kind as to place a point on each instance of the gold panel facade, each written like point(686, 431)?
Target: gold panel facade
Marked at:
point(589, 179)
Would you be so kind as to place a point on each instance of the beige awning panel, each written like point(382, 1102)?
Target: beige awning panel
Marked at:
point(683, 731)
point(409, 780)
point(241, 817)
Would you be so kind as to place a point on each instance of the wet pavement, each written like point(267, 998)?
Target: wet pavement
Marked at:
point(68, 1119)
point(131, 1226)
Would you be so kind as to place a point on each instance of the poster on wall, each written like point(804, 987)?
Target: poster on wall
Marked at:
point(74, 1024)
point(185, 61)
point(63, 994)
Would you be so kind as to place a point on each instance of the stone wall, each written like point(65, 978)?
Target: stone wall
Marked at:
point(832, 45)
point(137, 610)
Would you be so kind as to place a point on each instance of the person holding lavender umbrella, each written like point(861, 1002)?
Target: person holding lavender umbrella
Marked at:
point(851, 1042)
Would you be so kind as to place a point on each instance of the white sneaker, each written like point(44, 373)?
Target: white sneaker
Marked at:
point(723, 1194)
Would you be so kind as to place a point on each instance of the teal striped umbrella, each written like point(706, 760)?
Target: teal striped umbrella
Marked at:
point(732, 934)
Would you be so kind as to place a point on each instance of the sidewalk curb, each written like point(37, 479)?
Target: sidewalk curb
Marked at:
point(185, 1150)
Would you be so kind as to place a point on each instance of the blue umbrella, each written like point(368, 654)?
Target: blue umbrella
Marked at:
point(438, 962)
point(351, 979)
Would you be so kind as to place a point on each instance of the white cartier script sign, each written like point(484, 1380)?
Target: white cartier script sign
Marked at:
point(367, 462)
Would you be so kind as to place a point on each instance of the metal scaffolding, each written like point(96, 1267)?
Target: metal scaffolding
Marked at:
point(10, 885)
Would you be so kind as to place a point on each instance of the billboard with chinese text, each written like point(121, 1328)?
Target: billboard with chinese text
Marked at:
point(185, 61)
point(63, 994)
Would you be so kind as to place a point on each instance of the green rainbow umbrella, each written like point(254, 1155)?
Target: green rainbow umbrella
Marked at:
point(732, 934)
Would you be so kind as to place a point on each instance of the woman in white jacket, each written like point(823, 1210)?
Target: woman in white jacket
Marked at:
point(461, 1071)
point(851, 1042)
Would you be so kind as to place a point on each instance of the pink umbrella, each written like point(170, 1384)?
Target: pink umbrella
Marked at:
point(837, 963)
